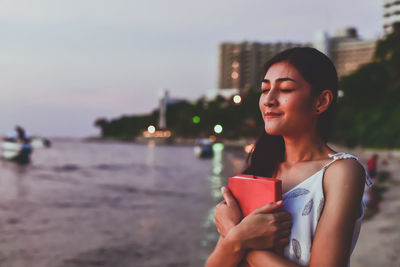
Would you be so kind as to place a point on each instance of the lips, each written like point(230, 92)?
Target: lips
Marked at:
point(272, 114)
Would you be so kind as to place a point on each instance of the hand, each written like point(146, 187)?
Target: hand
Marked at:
point(265, 228)
point(227, 213)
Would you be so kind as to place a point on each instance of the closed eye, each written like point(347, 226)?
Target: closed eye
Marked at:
point(282, 90)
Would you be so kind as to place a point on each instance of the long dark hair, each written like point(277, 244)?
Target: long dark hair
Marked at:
point(320, 73)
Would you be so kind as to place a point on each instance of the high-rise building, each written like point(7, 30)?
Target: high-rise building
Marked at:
point(321, 42)
point(391, 15)
point(240, 64)
point(348, 52)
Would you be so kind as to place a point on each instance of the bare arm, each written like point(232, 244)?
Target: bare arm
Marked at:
point(228, 252)
point(343, 186)
point(263, 258)
point(264, 228)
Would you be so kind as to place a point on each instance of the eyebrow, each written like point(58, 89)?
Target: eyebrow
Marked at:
point(279, 80)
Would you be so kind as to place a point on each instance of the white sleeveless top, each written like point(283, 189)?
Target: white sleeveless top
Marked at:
point(305, 203)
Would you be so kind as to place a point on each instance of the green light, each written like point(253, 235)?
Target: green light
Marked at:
point(196, 119)
point(217, 147)
point(218, 129)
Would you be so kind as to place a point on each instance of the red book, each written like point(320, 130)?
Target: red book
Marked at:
point(253, 192)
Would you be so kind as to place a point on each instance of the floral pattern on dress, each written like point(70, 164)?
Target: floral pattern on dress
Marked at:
point(297, 192)
point(308, 207)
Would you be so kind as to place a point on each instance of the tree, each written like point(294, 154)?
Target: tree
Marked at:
point(369, 111)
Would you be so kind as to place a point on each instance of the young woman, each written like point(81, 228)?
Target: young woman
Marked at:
point(318, 221)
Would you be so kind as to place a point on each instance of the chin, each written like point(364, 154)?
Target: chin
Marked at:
point(272, 131)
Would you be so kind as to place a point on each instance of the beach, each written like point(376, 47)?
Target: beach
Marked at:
point(379, 241)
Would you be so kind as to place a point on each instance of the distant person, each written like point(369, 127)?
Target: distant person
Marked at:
point(319, 220)
point(370, 196)
point(372, 166)
point(22, 136)
point(16, 135)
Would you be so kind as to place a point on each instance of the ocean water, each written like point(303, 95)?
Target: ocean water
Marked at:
point(111, 204)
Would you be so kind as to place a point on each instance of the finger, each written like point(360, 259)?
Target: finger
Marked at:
point(285, 225)
point(284, 233)
point(222, 202)
point(269, 207)
point(228, 197)
point(282, 216)
point(283, 242)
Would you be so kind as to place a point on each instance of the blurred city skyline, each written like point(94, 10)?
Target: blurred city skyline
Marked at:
point(66, 63)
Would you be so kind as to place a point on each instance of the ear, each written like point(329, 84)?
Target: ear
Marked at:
point(323, 101)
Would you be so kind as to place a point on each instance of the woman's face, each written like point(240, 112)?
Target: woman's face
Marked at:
point(285, 92)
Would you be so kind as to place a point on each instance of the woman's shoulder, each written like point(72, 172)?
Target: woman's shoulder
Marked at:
point(346, 163)
point(346, 172)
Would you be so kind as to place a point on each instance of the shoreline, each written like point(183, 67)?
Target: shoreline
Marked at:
point(379, 240)
point(180, 141)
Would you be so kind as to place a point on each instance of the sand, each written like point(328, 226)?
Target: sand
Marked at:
point(379, 241)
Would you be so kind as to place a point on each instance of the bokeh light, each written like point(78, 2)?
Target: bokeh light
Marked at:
point(237, 99)
point(196, 119)
point(151, 129)
point(218, 128)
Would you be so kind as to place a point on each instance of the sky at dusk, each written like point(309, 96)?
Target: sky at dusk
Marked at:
point(64, 63)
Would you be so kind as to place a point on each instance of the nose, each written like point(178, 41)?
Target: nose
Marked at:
point(271, 99)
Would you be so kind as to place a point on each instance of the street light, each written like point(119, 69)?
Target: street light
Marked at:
point(237, 99)
point(151, 129)
point(218, 128)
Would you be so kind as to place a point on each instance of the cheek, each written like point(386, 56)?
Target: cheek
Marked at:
point(290, 104)
point(296, 104)
point(261, 106)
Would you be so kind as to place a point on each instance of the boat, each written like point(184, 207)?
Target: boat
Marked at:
point(40, 142)
point(20, 151)
point(203, 148)
point(16, 151)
